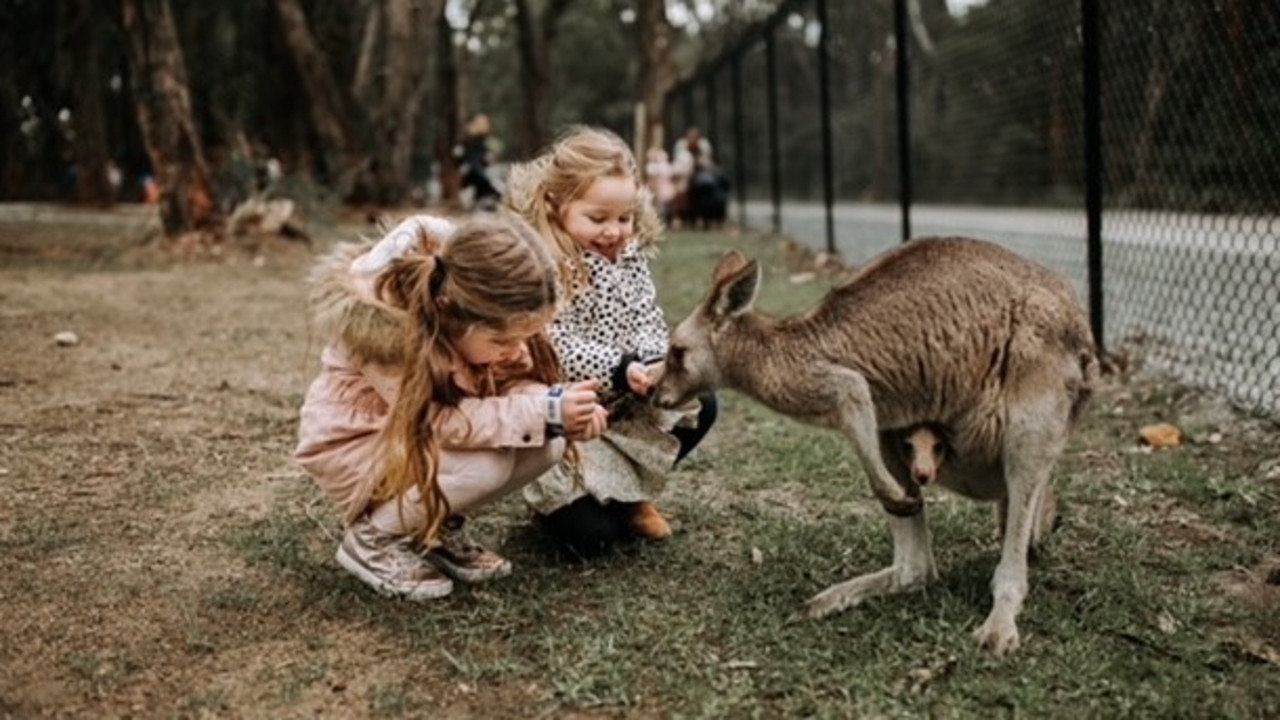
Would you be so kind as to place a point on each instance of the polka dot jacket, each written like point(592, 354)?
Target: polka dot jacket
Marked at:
point(611, 323)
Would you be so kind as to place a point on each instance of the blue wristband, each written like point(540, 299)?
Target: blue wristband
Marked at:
point(553, 410)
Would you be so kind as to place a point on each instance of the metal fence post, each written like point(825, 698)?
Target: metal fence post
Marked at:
point(775, 155)
point(1092, 39)
point(824, 104)
point(902, 67)
point(739, 142)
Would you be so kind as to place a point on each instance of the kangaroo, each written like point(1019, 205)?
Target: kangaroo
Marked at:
point(956, 332)
point(916, 453)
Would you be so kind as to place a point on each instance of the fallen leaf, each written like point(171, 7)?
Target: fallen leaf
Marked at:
point(1161, 435)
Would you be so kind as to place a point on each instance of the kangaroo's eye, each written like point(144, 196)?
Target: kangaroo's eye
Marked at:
point(676, 355)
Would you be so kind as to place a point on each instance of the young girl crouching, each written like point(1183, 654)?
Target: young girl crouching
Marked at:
point(438, 394)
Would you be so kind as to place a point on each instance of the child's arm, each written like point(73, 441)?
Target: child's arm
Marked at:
point(529, 415)
point(517, 419)
point(587, 348)
point(652, 341)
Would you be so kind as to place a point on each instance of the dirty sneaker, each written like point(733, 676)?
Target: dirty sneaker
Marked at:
point(462, 559)
point(389, 565)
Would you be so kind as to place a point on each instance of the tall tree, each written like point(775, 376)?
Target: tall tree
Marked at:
point(330, 109)
point(447, 108)
point(163, 103)
point(396, 112)
point(535, 36)
point(657, 73)
point(90, 141)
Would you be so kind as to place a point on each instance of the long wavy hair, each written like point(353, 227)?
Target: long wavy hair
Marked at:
point(540, 189)
point(494, 272)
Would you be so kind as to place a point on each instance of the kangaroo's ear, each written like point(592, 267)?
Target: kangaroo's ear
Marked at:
point(736, 282)
point(731, 263)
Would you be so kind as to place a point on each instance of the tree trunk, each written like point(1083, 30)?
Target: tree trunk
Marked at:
point(534, 40)
point(657, 71)
point(447, 105)
point(164, 116)
point(1157, 83)
point(1060, 156)
point(403, 93)
point(330, 114)
point(884, 101)
point(363, 78)
point(93, 184)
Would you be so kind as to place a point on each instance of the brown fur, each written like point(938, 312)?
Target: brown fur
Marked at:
point(952, 331)
point(371, 330)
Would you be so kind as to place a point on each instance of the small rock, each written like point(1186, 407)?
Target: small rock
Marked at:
point(66, 338)
point(1214, 438)
point(757, 557)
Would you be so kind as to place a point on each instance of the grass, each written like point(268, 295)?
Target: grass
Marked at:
point(171, 529)
point(1126, 616)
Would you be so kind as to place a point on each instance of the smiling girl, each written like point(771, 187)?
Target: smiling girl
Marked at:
point(585, 196)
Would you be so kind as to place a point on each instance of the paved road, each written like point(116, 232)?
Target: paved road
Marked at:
point(1196, 294)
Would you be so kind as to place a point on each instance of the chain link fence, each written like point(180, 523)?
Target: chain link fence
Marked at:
point(1132, 146)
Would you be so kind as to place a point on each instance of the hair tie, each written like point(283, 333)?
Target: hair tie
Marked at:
point(437, 276)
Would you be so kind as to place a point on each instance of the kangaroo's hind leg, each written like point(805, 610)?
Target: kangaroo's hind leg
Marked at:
point(1035, 436)
point(913, 567)
point(1043, 520)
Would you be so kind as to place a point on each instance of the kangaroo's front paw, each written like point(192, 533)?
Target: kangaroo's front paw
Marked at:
point(999, 635)
point(907, 506)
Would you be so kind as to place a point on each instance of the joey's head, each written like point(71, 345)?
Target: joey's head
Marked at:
point(925, 450)
point(695, 358)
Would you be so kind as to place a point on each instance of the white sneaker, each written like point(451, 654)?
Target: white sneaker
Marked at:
point(389, 565)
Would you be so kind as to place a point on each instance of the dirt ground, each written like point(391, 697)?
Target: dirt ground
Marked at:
point(127, 453)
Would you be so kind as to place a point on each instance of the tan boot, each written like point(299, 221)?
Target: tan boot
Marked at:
point(646, 522)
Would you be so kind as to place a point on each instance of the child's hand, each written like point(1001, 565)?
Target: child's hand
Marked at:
point(584, 417)
point(642, 378)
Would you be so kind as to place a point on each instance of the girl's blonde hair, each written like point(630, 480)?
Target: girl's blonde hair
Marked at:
point(540, 189)
point(494, 272)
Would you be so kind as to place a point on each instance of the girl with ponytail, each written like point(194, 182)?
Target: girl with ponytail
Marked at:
point(439, 392)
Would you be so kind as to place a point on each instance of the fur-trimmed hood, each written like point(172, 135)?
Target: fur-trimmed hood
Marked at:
point(343, 308)
point(343, 304)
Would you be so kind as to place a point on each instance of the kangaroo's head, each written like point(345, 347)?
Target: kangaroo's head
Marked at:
point(694, 363)
point(925, 450)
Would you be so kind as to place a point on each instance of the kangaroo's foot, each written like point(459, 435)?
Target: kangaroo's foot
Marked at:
point(849, 593)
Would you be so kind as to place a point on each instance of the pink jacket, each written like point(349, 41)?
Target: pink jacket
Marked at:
point(348, 403)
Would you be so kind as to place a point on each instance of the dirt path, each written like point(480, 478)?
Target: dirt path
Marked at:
point(127, 457)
